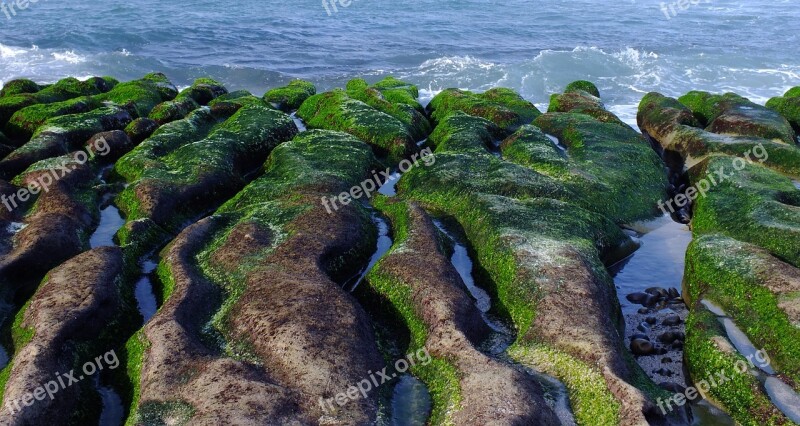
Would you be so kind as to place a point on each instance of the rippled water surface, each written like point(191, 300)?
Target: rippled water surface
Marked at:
point(629, 47)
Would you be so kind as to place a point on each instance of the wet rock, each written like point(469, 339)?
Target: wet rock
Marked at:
point(643, 327)
point(666, 360)
point(336, 110)
point(173, 173)
point(638, 298)
point(672, 387)
point(141, 129)
point(642, 347)
point(291, 96)
point(644, 311)
point(657, 291)
point(71, 309)
point(504, 107)
point(671, 336)
point(452, 321)
point(671, 321)
point(650, 320)
point(673, 293)
point(640, 336)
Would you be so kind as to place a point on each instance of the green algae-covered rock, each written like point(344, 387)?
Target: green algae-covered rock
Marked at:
point(229, 103)
point(267, 248)
point(25, 121)
point(752, 204)
point(62, 90)
point(201, 92)
point(613, 170)
point(788, 106)
point(291, 96)
point(188, 165)
point(731, 114)
point(140, 129)
point(504, 107)
point(583, 85)
point(142, 95)
point(63, 134)
point(583, 102)
point(672, 125)
point(759, 291)
point(708, 353)
point(406, 110)
point(335, 110)
point(541, 243)
point(16, 87)
point(138, 96)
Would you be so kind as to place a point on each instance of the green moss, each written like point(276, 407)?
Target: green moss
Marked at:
point(169, 111)
point(731, 274)
point(291, 96)
point(592, 403)
point(63, 90)
point(134, 354)
point(404, 107)
point(735, 115)
point(755, 205)
point(613, 169)
point(740, 395)
point(142, 95)
point(203, 91)
point(25, 121)
point(504, 107)
point(582, 102)
point(583, 85)
point(788, 107)
point(19, 86)
point(335, 110)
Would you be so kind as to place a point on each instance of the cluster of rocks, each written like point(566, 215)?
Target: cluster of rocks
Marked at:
point(253, 325)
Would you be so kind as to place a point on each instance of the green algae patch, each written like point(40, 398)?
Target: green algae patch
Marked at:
point(788, 106)
point(201, 92)
point(141, 96)
point(19, 86)
point(25, 121)
point(291, 96)
point(613, 169)
point(707, 353)
point(583, 102)
point(739, 277)
point(592, 403)
point(754, 204)
point(440, 375)
point(403, 107)
point(335, 110)
point(504, 107)
point(583, 85)
point(135, 348)
point(62, 90)
point(176, 185)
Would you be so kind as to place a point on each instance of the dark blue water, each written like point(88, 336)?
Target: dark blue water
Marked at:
point(627, 46)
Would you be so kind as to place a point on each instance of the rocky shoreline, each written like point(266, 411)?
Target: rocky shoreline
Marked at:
point(258, 320)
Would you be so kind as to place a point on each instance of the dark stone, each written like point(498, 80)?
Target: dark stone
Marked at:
point(650, 320)
point(671, 336)
point(671, 320)
point(642, 347)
